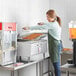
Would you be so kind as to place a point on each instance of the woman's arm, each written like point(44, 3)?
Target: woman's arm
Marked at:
point(40, 26)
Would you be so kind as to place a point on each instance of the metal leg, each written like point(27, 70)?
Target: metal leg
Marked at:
point(48, 68)
point(67, 73)
point(12, 73)
point(17, 72)
point(41, 68)
point(37, 69)
point(50, 71)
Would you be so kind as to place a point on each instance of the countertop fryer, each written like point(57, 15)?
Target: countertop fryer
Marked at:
point(8, 43)
point(32, 42)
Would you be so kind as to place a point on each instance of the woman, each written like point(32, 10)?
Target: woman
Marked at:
point(54, 37)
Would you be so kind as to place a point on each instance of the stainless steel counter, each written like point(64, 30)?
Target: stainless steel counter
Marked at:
point(68, 68)
point(13, 68)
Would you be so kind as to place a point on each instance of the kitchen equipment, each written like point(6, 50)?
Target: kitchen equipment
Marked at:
point(32, 46)
point(72, 30)
point(72, 35)
point(8, 43)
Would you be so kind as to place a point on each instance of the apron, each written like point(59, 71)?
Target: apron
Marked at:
point(54, 52)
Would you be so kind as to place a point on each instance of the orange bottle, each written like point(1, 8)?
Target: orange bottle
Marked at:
point(72, 32)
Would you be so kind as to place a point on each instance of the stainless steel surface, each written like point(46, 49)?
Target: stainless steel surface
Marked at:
point(12, 73)
point(41, 68)
point(27, 48)
point(68, 68)
point(11, 67)
point(8, 44)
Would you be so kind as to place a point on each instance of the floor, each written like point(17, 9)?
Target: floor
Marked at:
point(63, 74)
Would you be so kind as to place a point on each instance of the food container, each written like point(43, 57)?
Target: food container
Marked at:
point(72, 30)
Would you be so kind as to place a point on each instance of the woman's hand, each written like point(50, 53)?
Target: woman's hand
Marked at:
point(26, 28)
point(41, 23)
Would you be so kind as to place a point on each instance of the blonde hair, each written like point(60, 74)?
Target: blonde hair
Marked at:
point(52, 14)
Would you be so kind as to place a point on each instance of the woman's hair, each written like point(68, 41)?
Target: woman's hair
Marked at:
point(58, 20)
point(52, 14)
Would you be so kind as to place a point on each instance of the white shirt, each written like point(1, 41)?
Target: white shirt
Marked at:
point(53, 28)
